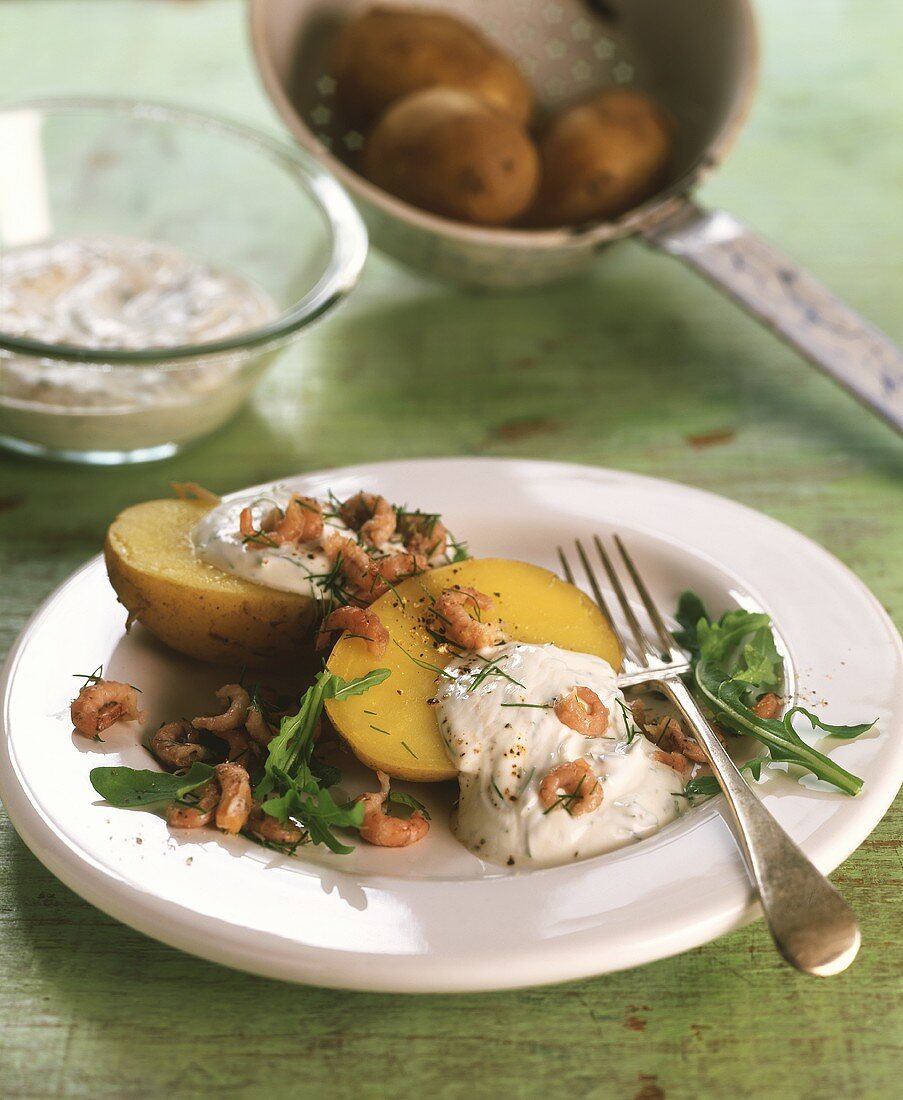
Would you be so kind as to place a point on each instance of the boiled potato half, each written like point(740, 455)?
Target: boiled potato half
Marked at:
point(388, 52)
point(600, 158)
point(194, 607)
point(448, 152)
point(392, 727)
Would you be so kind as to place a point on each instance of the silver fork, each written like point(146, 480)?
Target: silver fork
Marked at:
point(811, 924)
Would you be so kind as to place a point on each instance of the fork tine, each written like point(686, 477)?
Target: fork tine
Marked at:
point(631, 653)
point(626, 649)
point(651, 609)
point(594, 584)
point(565, 567)
point(644, 649)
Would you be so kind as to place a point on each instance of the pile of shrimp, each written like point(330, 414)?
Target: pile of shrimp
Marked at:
point(233, 741)
point(389, 543)
point(677, 747)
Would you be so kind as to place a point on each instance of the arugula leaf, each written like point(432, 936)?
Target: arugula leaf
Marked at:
point(131, 787)
point(297, 782)
point(733, 659)
point(293, 744)
point(725, 696)
point(718, 641)
point(704, 785)
point(762, 663)
point(402, 798)
point(690, 609)
point(846, 732)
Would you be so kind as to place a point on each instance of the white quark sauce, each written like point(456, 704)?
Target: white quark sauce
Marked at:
point(117, 292)
point(294, 567)
point(502, 754)
point(125, 294)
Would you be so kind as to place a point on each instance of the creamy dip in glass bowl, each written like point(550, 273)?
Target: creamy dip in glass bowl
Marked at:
point(152, 262)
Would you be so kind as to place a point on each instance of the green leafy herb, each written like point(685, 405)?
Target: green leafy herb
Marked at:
point(424, 664)
point(704, 785)
point(408, 748)
point(130, 787)
point(292, 787)
point(94, 677)
point(734, 659)
point(530, 706)
point(847, 733)
point(402, 798)
point(567, 800)
point(491, 668)
point(629, 724)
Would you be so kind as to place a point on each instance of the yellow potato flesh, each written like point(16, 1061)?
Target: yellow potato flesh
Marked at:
point(392, 726)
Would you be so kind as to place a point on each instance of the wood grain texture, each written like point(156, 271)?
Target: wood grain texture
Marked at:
point(636, 366)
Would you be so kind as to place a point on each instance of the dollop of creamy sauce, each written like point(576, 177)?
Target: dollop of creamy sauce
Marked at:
point(293, 567)
point(502, 734)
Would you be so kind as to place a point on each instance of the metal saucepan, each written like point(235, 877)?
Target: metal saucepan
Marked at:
point(697, 57)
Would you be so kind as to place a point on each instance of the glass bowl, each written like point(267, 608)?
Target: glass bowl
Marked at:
point(260, 217)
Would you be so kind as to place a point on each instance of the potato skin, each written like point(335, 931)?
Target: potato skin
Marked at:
point(601, 157)
point(193, 607)
point(386, 53)
point(448, 152)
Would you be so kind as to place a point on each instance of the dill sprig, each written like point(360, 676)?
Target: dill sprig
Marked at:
point(492, 669)
point(567, 800)
point(424, 664)
point(632, 730)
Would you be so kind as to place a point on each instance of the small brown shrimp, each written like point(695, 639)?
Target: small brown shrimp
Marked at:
point(423, 534)
point(301, 522)
point(255, 539)
point(182, 816)
point(242, 748)
point(582, 710)
point(271, 829)
point(359, 622)
point(235, 714)
point(670, 734)
point(398, 566)
point(176, 744)
point(385, 831)
point(355, 565)
point(675, 760)
point(99, 705)
point(453, 609)
point(370, 514)
point(575, 785)
point(769, 706)
point(259, 729)
point(235, 800)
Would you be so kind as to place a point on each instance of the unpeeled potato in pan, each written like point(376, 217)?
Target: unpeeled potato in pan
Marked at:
point(386, 53)
point(600, 158)
point(450, 153)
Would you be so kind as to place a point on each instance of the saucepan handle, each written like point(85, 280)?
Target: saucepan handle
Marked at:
point(789, 301)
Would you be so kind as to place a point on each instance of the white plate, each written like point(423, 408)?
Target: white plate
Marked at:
point(434, 917)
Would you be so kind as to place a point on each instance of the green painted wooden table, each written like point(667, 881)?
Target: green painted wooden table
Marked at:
point(637, 366)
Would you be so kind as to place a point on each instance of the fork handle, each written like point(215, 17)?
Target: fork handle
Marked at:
point(811, 924)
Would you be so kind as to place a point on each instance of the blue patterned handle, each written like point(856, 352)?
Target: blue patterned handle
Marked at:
point(789, 301)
